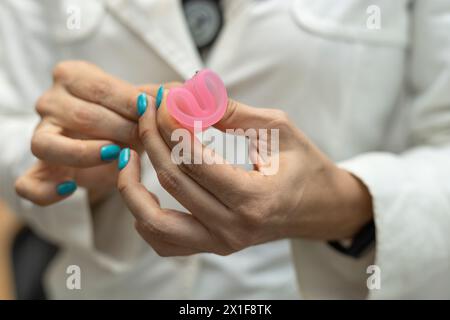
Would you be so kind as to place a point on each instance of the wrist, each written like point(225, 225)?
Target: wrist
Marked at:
point(335, 206)
point(354, 204)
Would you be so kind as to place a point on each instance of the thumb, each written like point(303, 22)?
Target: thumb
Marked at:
point(237, 115)
point(242, 116)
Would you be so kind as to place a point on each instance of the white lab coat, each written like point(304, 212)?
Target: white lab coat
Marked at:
point(376, 101)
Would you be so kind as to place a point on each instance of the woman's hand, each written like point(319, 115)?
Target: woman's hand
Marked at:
point(44, 183)
point(230, 208)
point(86, 117)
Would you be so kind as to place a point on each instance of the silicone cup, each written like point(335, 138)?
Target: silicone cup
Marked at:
point(202, 100)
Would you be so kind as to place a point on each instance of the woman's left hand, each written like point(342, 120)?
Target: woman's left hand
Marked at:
point(230, 208)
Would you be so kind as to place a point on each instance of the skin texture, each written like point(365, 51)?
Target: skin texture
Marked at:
point(84, 110)
point(228, 208)
point(231, 209)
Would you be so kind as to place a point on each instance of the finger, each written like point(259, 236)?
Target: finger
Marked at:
point(201, 163)
point(50, 145)
point(229, 183)
point(86, 117)
point(239, 119)
point(162, 248)
point(190, 194)
point(241, 116)
point(45, 184)
point(90, 83)
point(164, 225)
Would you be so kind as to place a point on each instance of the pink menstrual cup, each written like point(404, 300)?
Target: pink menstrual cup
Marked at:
point(202, 99)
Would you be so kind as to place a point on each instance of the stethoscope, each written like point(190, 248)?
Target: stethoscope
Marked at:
point(204, 19)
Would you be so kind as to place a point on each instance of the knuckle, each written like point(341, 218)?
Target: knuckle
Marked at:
point(145, 133)
point(134, 134)
point(242, 208)
point(84, 118)
point(59, 71)
point(62, 70)
point(125, 188)
point(235, 238)
point(154, 229)
point(160, 251)
point(224, 251)
point(251, 215)
point(169, 181)
point(251, 219)
point(236, 241)
point(43, 102)
point(38, 146)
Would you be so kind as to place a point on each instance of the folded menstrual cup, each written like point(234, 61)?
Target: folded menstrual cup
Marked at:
point(200, 102)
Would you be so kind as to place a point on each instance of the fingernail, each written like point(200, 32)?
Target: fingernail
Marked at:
point(110, 152)
point(66, 188)
point(159, 97)
point(124, 157)
point(141, 104)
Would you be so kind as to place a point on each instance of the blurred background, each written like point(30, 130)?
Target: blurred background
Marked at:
point(24, 256)
point(9, 227)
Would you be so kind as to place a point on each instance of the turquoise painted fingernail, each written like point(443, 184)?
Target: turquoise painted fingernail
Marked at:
point(159, 97)
point(141, 104)
point(124, 157)
point(110, 152)
point(66, 188)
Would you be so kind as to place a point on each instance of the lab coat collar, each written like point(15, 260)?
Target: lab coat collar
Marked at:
point(161, 25)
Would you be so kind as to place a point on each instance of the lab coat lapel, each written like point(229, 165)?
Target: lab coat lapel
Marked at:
point(161, 25)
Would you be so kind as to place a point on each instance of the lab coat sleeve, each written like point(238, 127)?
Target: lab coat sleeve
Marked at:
point(410, 191)
point(22, 32)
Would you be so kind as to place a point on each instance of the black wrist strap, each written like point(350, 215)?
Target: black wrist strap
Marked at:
point(360, 243)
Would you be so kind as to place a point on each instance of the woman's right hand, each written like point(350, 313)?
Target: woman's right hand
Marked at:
point(86, 117)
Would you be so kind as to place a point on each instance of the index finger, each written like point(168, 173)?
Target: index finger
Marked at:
point(165, 224)
point(90, 83)
point(190, 194)
point(203, 164)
